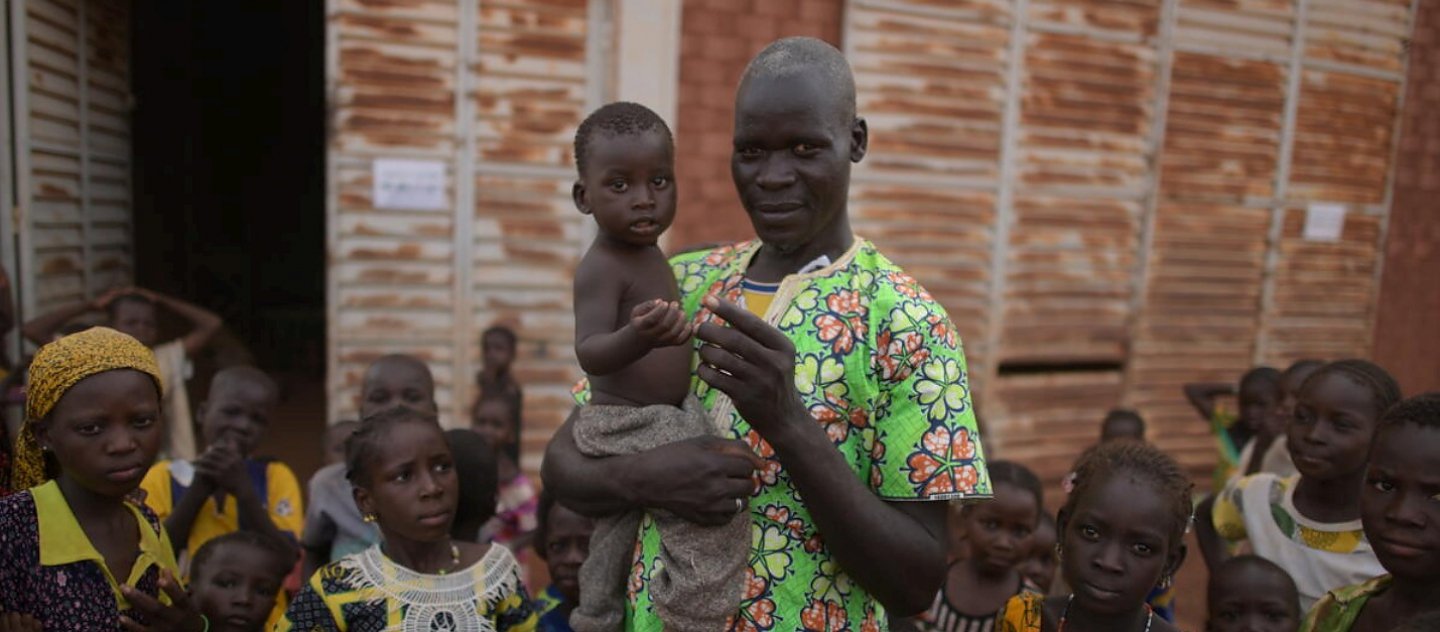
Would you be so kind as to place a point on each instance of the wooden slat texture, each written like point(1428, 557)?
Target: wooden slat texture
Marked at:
point(1343, 138)
point(1256, 28)
point(427, 283)
point(1224, 126)
point(1366, 33)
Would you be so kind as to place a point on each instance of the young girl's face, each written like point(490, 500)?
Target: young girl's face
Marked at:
point(105, 431)
point(1117, 545)
point(237, 588)
point(492, 420)
point(136, 318)
point(397, 384)
point(1400, 505)
point(496, 352)
point(1039, 566)
point(567, 544)
point(1258, 400)
point(998, 532)
point(1334, 423)
point(412, 488)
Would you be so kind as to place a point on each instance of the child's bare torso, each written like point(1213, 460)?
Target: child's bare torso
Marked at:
point(640, 275)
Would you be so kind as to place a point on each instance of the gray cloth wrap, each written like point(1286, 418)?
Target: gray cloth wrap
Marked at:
point(702, 579)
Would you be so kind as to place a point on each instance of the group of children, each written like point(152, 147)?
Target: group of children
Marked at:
point(1338, 531)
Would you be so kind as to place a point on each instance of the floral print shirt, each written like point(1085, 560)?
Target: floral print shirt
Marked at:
point(880, 366)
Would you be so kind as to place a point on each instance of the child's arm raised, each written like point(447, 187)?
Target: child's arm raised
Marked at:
point(605, 346)
point(41, 329)
point(204, 323)
point(1202, 396)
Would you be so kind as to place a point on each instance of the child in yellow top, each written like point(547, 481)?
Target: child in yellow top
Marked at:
point(78, 554)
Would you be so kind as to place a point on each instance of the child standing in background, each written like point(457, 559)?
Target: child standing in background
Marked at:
point(1039, 567)
point(1276, 459)
point(1258, 394)
point(135, 311)
point(1309, 524)
point(562, 539)
point(496, 378)
point(514, 522)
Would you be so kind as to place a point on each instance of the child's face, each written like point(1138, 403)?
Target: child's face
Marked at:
point(566, 547)
point(492, 420)
point(1117, 545)
point(1250, 599)
point(1334, 423)
point(496, 352)
point(237, 588)
point(413, 487)
point(1039, 566)
point(335, 437)
point(1400, 504)
point(629, 186)
point(136, 318)
point(395, 384)
point(105, 431)
point(238, 412)
point(791, 162)
point(1258, 400)
point(998, 532)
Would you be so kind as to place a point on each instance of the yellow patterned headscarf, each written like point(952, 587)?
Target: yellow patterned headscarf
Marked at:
point(56, 368)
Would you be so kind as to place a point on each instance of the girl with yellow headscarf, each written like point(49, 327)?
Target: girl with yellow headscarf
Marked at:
point(80, 553)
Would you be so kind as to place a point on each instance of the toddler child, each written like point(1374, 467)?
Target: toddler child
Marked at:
point(419, 577)
point(1276, 459)
point(135, 311)
point(1309, 524)
point(633, 341)
point(997, 539)
point(333, 525)
point(562, 539)
point(1122, 533)
point(1251, 594)
point(513, 525)
point(78, 553)
point(235, 580)
point(1400, 510)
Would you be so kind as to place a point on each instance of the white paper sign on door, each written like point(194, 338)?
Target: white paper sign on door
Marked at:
point(410, 184)
point(1324, 222)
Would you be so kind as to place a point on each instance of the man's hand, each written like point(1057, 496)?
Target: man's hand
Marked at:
point(700, 480)
point(754, 364)
point(661, 324)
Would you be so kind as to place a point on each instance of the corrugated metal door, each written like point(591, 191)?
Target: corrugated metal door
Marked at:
point(1108, 196)
point(71, 102)
point(494, 91)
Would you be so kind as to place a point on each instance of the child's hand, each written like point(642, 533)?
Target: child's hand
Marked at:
point(179, 616)
point(16, 622)
point(102, 302)
point(224, 466)
point(661, 324)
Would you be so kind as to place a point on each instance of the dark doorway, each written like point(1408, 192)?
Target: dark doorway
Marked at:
point(229, 181)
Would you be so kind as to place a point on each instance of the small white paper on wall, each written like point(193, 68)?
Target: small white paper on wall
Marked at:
point(1324, 222)
point(410, 184)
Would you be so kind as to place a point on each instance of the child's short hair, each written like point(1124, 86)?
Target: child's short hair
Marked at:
point(499, 330)
point(1302, 366)
point(478, 473)
point(132, 297)
point(1147, 464)
point(621, 118)
point(1253, 562)
point(284, 559)
point(364, 443)
point(1384, 390)
point(1261, 376)
point(74, 327)
point(230, 376)
point(1018, 475)
point(1422, 410)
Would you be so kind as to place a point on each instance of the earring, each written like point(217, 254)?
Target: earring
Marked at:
point(369, 517)
point(1059, 553)
point(1166, 581)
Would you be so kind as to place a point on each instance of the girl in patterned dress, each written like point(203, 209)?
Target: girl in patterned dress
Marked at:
point(1122, 533)
point(79, 552)
point(419, 577)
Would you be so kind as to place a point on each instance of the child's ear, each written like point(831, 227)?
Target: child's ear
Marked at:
point(859, 139)
point(1177, 558)
point(42, 434)
point(582, 201)
point(362, 500)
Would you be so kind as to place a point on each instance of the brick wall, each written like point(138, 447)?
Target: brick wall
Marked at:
point(1405, 340)
point(718, 37)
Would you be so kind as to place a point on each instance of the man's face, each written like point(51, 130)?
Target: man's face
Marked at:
point(791, 162)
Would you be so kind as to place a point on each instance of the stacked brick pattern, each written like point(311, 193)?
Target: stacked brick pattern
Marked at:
point(1410, 289)
point(718, 38)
